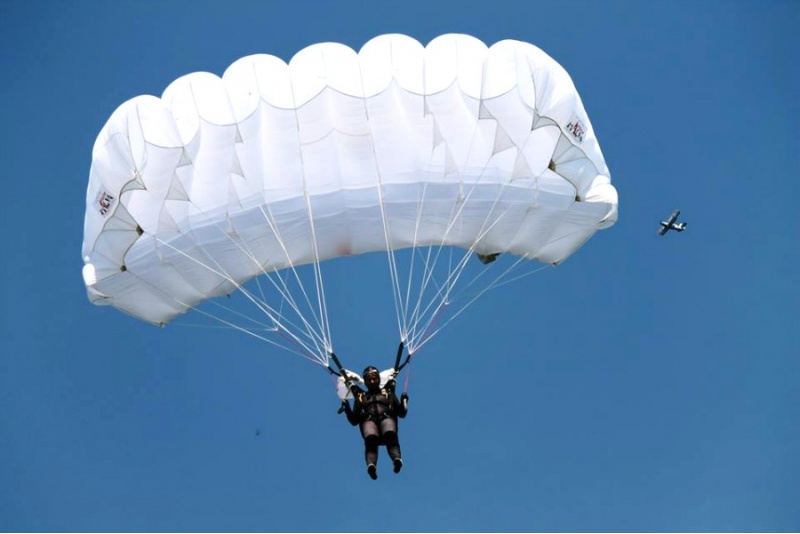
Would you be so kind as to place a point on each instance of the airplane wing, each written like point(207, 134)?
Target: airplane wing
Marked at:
point(673, 217)
point(663, 229)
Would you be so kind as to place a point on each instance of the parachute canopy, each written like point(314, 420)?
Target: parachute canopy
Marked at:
point(339, 153)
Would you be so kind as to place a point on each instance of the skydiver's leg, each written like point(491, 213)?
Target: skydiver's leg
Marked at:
point(392, 442)
point(370, 433)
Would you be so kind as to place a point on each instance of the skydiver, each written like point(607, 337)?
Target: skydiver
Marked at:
point(376, 411)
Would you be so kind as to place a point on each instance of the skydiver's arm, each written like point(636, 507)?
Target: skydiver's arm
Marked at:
point(401, 404)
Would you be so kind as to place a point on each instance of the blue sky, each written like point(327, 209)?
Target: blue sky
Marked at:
point(647, 384)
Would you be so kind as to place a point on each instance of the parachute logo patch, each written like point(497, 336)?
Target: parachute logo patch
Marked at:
point(577, 129)
point(104, 202)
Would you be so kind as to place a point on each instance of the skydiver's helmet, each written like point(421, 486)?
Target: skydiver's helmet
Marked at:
point(371, 376)
point(370, 370)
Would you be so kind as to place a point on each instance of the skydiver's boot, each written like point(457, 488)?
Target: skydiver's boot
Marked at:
point(371, 455)
point(393, 448)
point(398, 464)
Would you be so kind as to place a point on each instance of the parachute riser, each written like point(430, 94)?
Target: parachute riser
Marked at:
point(339, 365)
point(399, 355)
point(399, 367)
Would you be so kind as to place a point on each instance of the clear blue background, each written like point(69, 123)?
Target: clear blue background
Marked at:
point(647, 384)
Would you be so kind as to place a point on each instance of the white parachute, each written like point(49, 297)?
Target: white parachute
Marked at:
point(400, 148)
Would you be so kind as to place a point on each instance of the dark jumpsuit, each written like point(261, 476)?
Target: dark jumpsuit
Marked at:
point(376, 413)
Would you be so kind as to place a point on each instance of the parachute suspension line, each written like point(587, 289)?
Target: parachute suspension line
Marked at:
point(447, 287)
point(320, 287)
point(427, 274)
point(231, 311)
point(430, 333)
point(249, 253)
point(277, 318)
point(401, 306)
point(430, 265)
point(273, 314)
point(260, 304)
point(404, 331)
point(455, 273)
point(263, 306)
point(308, 354)
point(414, 343)
point(390, 256)
point(275, 327)
point(305, 352)
point(456, 210)
point(497, 283)
point(429, 278)
point(322, 319)
point(411, 321)
point(286, 293)
point(420, 312)
point(283, 284)
point(395, 279)
point(319, 336)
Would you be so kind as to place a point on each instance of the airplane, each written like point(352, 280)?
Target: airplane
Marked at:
point(670, 224)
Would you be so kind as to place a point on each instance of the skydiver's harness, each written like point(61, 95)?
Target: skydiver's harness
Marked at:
point(366, 401)
point(371, 404)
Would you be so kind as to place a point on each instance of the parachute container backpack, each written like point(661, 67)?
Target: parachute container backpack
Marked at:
point(274, 166)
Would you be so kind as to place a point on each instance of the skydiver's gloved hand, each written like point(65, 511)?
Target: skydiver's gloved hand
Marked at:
point(343, 408)
point(404, 400)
